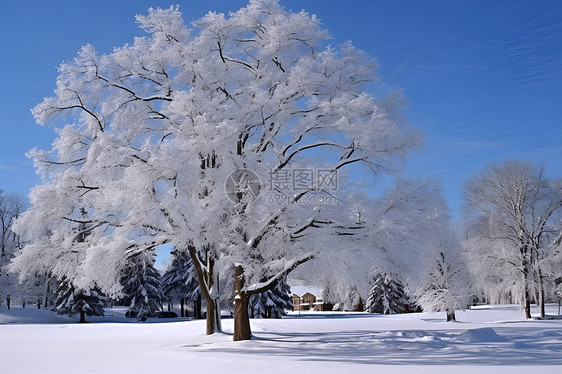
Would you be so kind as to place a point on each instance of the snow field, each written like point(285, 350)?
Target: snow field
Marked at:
point(484, 340)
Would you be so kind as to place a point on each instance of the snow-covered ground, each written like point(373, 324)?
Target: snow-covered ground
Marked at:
point(484, 340)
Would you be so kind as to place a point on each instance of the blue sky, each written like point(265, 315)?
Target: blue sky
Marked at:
point(483, 78)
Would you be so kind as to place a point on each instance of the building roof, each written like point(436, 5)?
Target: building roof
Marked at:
point(301, 290)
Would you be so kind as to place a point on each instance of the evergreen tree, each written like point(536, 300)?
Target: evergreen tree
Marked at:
point(72, 300)
point(386, 296)
point(179, 282)
point(141, 286)
point(273, 303)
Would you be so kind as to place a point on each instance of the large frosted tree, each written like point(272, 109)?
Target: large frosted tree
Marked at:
point(154, 130)
point(514, 229)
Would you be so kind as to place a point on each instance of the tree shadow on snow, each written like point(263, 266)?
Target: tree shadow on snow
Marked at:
point(487, 346)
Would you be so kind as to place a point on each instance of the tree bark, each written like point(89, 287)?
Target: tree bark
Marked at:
point(205, 279)
point(82, 317)
point(211, 318)
point(242, 329)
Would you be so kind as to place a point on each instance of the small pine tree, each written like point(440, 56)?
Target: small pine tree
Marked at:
point(273, 303)
point(179, 282)
point(386, 296)
point(72, 300)
point(141, 286)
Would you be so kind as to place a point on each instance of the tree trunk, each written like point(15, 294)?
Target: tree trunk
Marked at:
point(205, 278)
point(527, 303)
point(198, 307)
point(451, 315)
point(218, 320)
point(541, 293)
point(182, 301)
point(242, 329)
point(527, 293)
point(82, 316)
point(211, 316)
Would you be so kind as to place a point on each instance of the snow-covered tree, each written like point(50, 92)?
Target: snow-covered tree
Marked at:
point(392, 235)
point(179, 281)
point(141, 286)
point(34, 287)
point(514, 225)
point(446, 285)
point(8, 282)
point(72, 300)
point(11, 206)
point(386, 295)
point(157, 127)
point(273, 303)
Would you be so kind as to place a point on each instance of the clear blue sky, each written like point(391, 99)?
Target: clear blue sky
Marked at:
point(483, 78)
